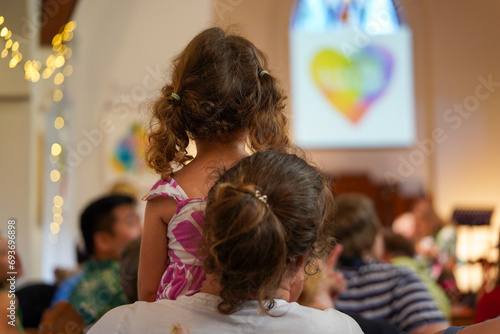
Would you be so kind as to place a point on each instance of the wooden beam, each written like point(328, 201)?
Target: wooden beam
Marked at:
point(55, 14)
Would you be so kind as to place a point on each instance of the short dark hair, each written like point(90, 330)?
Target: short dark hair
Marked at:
point(398, 245)
point(356, 224)
point(98, 216)
point(129, 267)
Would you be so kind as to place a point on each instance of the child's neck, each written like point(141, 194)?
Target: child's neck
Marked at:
point(228, 152)
point(197, 177)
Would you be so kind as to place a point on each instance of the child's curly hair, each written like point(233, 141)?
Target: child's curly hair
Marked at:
point(222, 92)
point(262, 216)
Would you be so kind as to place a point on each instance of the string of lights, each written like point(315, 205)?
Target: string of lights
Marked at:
point(56, 67)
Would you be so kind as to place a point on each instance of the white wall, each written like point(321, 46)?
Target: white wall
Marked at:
point(464, 48)
point(19, 163)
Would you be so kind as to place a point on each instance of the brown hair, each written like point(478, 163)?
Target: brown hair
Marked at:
point(356, 224)
point(397, 245)
point(251, 243)
point(129, 267)
point(222, 94)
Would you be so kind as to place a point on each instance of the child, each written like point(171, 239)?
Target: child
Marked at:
point(222, 97)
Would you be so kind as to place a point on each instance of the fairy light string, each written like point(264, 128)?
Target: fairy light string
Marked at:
point(55, 67)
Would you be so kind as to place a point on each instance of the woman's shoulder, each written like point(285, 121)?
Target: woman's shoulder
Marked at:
point(325, 321)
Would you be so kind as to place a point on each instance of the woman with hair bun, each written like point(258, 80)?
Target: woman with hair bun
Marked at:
point(268, 218)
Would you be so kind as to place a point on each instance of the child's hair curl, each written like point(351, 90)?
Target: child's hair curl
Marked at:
point(217, 92)
point(262, 216)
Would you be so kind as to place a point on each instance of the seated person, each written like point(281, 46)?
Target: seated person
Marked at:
point(107, 225)
point(375, 289)
point(488, 305)
point(322, 289)
point(486, 327)
point(63, 318)
point(129, 268)
point(264, 224)
point(400, 252)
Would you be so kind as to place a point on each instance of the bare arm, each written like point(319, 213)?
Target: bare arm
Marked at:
point(485, 327)
point(431, 328)
point(153, 257)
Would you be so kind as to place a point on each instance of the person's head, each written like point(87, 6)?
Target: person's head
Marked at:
point(397, 245)
point(427, 222)
point(267, 218)
point(356, 224)
point(108, 224)
point(222, 94)
point(129, 267)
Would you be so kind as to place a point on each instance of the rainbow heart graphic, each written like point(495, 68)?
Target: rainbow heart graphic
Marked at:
point(352, 84)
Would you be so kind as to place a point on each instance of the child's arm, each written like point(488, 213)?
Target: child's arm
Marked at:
point(153, 257)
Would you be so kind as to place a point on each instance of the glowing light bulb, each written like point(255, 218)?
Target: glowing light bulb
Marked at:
point(58, 219)
point(70, 26)
point(47, 73)
point(50, 61)
point(59, 79)
point(13, 62)
point(59, 123)
point(55, 175)
point(67, 36)
point(58, 95)
point(68, 54)
point(68, 70)
point(57, 39)
point(54, 228)
point(56, 149)
point(59, 62)
point(58, 201)
point(35, 77)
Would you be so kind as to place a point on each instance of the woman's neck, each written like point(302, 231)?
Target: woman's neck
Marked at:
point(287, 291)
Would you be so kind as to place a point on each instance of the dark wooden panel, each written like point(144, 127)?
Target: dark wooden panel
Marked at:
point(55, 14)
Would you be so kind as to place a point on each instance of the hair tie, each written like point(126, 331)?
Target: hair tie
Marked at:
point(175, 96)
point(263, 72)
point(260, 197)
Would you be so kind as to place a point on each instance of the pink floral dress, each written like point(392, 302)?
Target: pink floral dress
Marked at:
point(184, 274)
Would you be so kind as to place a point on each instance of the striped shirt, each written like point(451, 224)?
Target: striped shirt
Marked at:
point(381, 291)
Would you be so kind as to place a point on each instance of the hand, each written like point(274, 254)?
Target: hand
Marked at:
point(61, 318)
point(335, 279)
